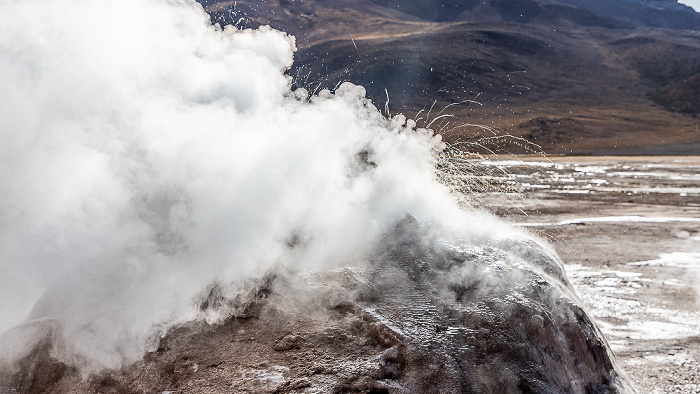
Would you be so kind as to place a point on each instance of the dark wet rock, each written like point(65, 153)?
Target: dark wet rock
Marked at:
point(289, 342)
point(37, 373)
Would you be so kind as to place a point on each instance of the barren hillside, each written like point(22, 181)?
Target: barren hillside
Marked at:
point(565, 75)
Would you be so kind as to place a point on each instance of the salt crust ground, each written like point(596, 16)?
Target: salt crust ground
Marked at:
point(639, 278)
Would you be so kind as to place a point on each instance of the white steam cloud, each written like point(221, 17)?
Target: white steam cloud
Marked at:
point(146, 156)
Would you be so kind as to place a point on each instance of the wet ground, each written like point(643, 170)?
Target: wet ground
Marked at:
point(628, 229)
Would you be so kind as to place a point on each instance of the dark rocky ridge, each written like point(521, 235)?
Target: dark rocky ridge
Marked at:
point(601, 64)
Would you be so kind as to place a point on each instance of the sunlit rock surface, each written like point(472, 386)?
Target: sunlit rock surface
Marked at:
point(426, 316)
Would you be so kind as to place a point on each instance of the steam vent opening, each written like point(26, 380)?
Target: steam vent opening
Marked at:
point(315, 196)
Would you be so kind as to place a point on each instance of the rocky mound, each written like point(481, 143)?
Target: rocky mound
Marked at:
point(426, 316)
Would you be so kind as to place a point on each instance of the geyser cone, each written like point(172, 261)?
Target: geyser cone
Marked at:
point(160, 176)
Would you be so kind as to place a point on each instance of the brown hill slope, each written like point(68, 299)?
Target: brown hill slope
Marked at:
point(564, 76)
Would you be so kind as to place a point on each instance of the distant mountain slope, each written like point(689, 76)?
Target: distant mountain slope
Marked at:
point(570, 75)
point(294, 15)
point(643, 13)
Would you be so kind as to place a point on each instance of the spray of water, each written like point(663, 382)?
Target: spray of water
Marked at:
point(148, 157)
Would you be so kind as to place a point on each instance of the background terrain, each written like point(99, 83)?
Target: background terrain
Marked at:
point(628, 230)
point(568, 75)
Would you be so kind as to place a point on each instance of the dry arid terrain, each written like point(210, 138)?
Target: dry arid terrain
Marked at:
point(628, 230)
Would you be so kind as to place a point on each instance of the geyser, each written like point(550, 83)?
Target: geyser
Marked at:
point(157, 169)
point(148, 155)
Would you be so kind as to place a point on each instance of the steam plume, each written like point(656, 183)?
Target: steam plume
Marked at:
point(148, 157)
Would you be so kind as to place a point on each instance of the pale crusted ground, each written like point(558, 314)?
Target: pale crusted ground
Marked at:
point(628, 230)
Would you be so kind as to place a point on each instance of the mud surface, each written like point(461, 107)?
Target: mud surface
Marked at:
point(628, 229)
